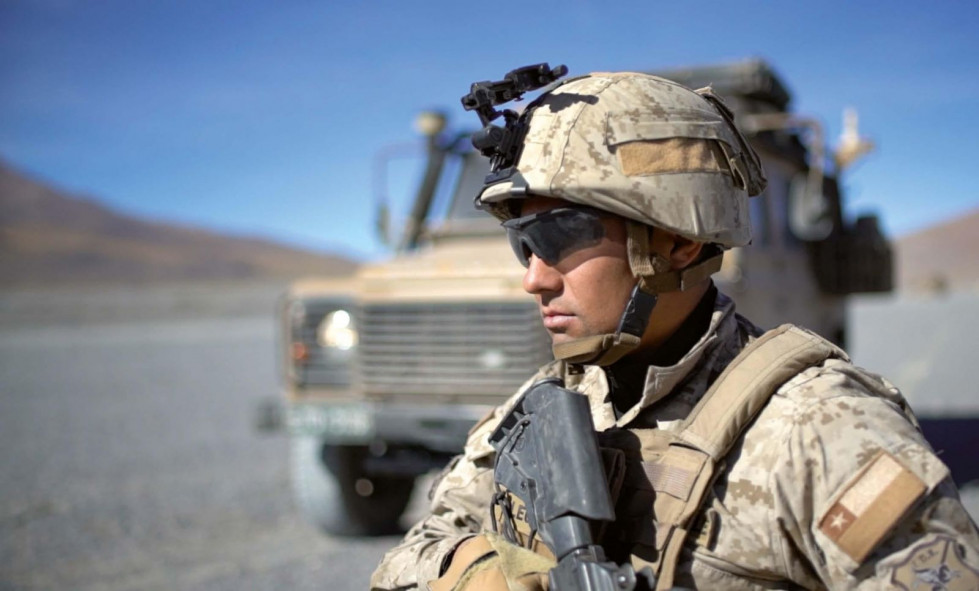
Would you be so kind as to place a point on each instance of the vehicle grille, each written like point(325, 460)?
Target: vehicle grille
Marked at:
point(453, 349)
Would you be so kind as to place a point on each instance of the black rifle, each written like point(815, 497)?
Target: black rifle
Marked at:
point(547, 455)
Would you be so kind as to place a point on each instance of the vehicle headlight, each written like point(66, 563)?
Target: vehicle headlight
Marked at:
point(337, 330)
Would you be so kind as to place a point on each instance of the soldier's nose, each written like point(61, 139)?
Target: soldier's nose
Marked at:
point(540, 277)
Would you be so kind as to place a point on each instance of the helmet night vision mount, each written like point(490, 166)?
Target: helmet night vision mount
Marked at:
point(502, 144)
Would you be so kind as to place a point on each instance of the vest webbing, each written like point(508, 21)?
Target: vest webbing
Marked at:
point(679, 466)
point(683, 473)
point(746, 384)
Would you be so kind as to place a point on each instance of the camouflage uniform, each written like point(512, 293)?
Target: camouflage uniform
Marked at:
point(810, 474)
point(831, 486)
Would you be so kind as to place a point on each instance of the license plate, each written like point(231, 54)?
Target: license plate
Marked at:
point(336, 423)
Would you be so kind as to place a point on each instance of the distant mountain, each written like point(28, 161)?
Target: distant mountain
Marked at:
point(941, 257)
point(49, 237)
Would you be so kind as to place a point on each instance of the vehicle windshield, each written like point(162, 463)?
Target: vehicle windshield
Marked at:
point(474, 168)
point(463, 180)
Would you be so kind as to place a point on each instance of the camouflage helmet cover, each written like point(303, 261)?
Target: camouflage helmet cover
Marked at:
point(642, 147)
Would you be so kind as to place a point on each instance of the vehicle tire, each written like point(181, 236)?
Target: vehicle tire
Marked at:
point(325, 486)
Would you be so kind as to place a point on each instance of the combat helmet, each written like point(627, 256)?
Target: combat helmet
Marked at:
point(645, 148)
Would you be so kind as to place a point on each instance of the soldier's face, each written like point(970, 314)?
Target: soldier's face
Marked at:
point(584, 293)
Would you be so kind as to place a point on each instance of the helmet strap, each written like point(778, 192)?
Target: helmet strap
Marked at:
point(654, 276)
point(606, 349)
point(653, 270)
point(602, 349)
point(644, 265)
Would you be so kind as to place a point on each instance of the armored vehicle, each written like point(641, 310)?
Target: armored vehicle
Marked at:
point(383, 373)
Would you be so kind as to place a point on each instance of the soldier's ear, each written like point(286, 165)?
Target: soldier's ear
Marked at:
point(679, 251)
point(684, 252)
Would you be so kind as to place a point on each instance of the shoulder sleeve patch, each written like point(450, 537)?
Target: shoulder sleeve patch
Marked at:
point(936, 564)
point(871, 505)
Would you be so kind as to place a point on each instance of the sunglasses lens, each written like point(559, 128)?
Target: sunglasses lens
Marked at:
point(553, 235)
point(519, 246)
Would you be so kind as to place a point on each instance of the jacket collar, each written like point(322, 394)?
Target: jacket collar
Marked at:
point(687, 379)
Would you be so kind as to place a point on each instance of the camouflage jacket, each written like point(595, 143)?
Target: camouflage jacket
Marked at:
point(832, 456)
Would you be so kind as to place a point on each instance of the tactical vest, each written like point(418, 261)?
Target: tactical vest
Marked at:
point(659, 479)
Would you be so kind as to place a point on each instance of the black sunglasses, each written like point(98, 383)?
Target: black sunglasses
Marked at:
point(554, 234)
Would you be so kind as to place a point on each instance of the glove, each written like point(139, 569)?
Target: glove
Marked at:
point(487, 562)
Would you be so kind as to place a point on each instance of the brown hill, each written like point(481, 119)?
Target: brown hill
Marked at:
point(50, 237)
point(941, 257)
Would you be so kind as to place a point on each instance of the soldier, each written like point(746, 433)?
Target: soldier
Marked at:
point(792, 469)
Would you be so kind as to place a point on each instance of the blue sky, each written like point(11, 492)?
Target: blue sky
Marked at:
point(265, 118)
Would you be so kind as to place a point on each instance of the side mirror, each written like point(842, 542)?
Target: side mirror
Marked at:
point(810, 211)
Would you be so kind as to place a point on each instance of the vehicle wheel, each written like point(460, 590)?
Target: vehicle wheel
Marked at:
point(333, 493)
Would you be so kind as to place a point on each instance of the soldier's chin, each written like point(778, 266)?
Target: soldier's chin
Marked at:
point(560, 337)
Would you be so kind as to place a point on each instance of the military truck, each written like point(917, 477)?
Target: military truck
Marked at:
point(383, 373)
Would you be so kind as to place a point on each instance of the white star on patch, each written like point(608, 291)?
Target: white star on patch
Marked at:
point(838, 521)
